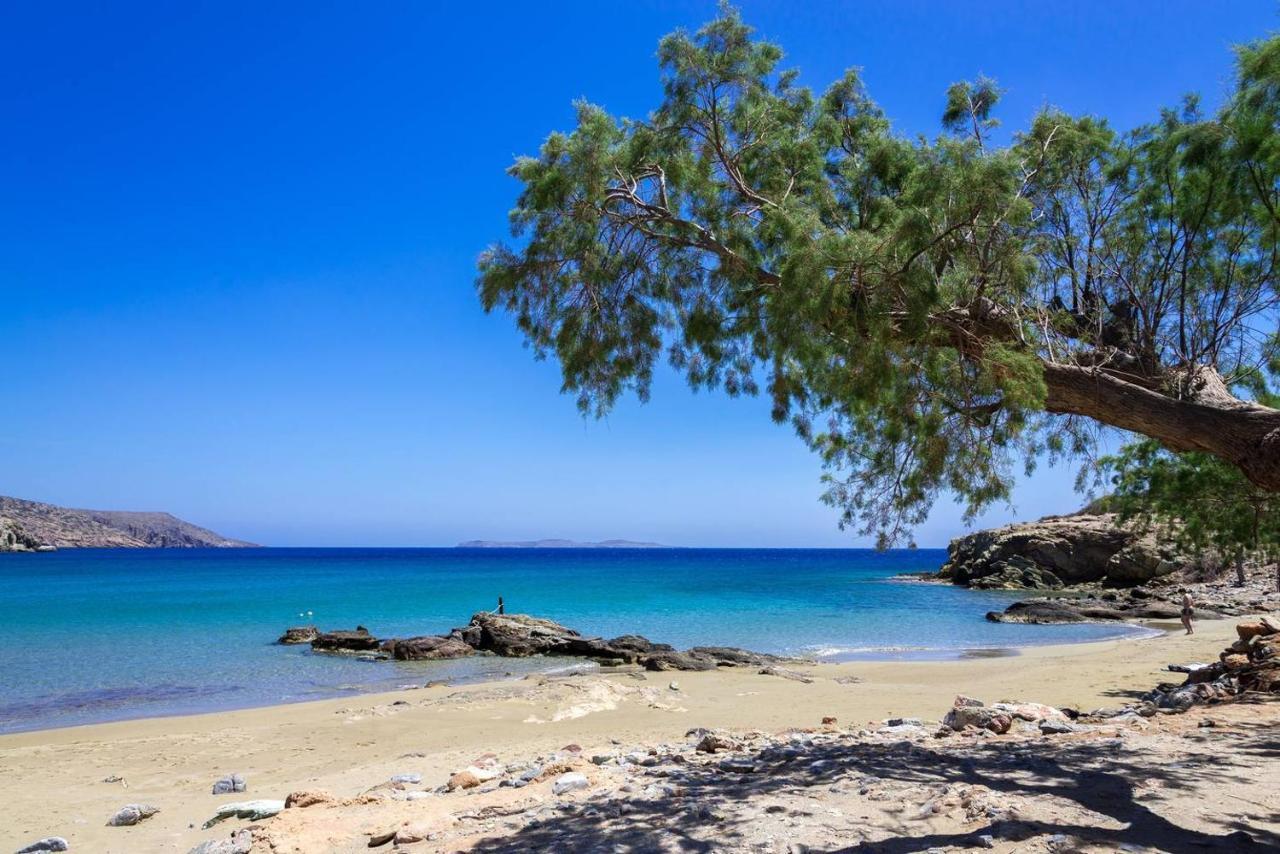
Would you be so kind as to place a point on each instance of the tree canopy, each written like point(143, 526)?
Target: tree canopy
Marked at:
point(927, 313)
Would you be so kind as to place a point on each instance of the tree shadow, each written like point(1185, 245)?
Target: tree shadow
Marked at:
point(714, 808)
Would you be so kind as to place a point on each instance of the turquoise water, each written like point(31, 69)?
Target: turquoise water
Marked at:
point(96, 635)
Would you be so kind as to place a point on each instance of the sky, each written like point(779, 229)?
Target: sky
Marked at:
point(238, 244)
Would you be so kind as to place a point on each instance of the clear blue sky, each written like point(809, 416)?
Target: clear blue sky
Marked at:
point(237, 244)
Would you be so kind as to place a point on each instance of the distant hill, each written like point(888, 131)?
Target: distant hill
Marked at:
point(557, 544)
point(31, 525)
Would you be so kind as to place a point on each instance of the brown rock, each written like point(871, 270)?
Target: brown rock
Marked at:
point(410, 834)
point(299, 634)
point(345, 641)
point(829, 721)
point(1251, 629)
point(307, 798)
point(714, 742)
point(463, 780)
point(426, 648)
point(1235, 661)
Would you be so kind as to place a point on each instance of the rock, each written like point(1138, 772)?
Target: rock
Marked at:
point(1252, 629)
point(897, 722)
point(463, 780)
point(570, 782)
point(307, 798)
point(713, 742)
point(240, 842)
point(426, 648)
point(515, 635)
point(964, 714)
point(677, 661)
point(1029, 711)
point(1056, 727)
point(829, 720)
point(49, 843)
point(358, 640)
point(377, 840)
point(731, 656)
point(410, 779)
point(1050, 611)
point(130, 814)
point(229, 784)
point(1056, 551)
point(252, 810)
point(410, 834)
point(737, 765)
point(785, 674)
point(299, 634)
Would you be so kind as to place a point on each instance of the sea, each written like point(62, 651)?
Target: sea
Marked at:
point(94, 635)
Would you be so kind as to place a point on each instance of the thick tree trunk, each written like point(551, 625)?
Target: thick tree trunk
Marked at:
point(1207, 418)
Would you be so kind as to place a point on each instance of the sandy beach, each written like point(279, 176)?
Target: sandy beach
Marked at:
point(54, 779)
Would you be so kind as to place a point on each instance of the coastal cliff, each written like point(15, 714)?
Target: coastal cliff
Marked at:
point(1058, 551)
point(35, 526)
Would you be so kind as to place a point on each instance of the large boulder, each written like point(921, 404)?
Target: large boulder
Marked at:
point(426, 648)
point(298, 635)
point(1058, 551)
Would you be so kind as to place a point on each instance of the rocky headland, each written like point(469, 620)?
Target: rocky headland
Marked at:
point(35, 526)
point(1058, 552)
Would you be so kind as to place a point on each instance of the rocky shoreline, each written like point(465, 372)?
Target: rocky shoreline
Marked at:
point(522, 636)
point(996, 775)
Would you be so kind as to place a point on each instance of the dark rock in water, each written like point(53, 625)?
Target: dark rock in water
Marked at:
point(515, 635)
point(1057, 551)
point(639, 645)
point(426, 648)
point(345, 641)
point(299, 634)
point(1090, 609)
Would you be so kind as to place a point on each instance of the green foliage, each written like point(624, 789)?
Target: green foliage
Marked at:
point(896, 299)
point(1207, 504)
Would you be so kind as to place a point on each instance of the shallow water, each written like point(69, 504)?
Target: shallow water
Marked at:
point(97, 635)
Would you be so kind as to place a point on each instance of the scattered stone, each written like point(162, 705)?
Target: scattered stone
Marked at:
point(130, 814)
point(229, 784)
point(307, 798)
point(714, 742)
point(463, 780)
point(410, 834)
point(240, 842)
point(49, 843)
point(570, 782)
point(738, 765)
point(897, 722)
point(252, 810)
point(829, 720)
point(380, 839)
point(410, 779)
point(426, 648)
point(785, 674)
point(1057, 727)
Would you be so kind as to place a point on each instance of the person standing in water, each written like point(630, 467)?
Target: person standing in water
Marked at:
point(502, 609)
point(1188, 608)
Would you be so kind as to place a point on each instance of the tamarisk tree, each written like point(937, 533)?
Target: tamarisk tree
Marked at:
point(926, 313)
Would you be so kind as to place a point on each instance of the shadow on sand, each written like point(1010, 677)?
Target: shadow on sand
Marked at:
point(716, 809)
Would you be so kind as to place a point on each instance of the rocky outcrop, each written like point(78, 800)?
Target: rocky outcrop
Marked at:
point(1056, 552)
point(521, 636)
point(357, 640)
point(299, 634)
point(1135, 604)
point(426, 648)
point(14, 538)
point(62, 527)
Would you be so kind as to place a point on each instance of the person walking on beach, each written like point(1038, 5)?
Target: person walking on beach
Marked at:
point(502, 609)
point(1188, 608)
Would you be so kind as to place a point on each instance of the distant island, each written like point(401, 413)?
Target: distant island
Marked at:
point(31, 526)
point(557, 544)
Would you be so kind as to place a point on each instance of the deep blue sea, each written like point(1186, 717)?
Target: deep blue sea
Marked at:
point(97, 635)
